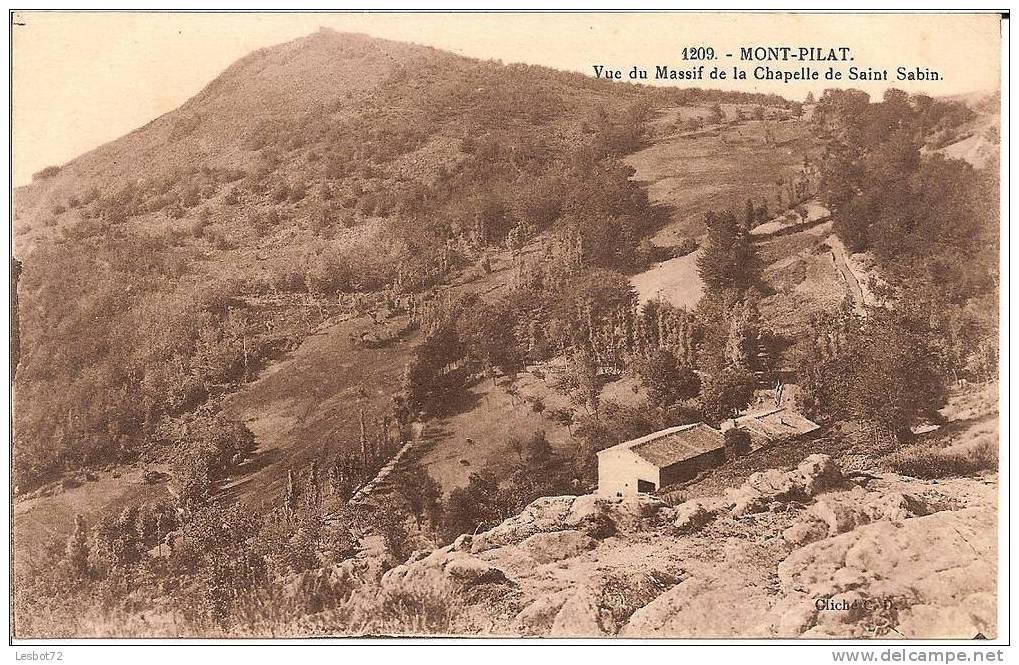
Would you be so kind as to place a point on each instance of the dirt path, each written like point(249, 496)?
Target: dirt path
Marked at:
point(846, 275)
point(792, 222)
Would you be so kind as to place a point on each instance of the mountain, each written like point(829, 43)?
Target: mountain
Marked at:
point(328, 169)
point(284, 347)
point(272, 86)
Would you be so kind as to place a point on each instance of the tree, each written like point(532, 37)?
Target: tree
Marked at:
point(540, 473)
point(580, 380)
point(729, 259)
point(474, 508)
point(391, 524)
point(888, 369)
point(488, 332)
point(665, 379)
point(538, 451)
point(315, 481)
point(827, 369)
point(77, 549)
point(424, 496)
point(564, 417)
point(900, 379)
point(725, 394)
point(292, 495)
point(363, 440)
point(715, 115)
point(191, 479)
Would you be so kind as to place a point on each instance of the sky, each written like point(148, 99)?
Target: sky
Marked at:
point(83, 79)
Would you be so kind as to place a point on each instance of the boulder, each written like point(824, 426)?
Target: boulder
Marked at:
point(627, 514)
point(470, 571)
point(777, 485)
point(900, 506)
point(745, 500)
point(557, 545)
point(596, 525)
point(846, 511)
point(462, 543)
point(544, 514)
point(938, 571)
point(838, 517)
point(769, 490)
point(799, 617)
point(691, 516)
point(805, 532)
point(580, 616)
point(702, 608)
point(819, 473)
point(538, 617)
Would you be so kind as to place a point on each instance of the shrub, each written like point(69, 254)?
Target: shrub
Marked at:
point(198, 227)
point(297, 192)
point(47, 172)
point(687, 246)
point(926, 463)
point(281, 192)
point(191, 197)
point(737, 443)
point(425, 610)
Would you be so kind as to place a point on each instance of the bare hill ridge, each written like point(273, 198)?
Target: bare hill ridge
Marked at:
point(278, 84)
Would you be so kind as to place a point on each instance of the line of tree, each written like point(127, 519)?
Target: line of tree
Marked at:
point(931, 225)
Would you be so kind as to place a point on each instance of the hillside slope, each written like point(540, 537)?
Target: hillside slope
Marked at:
point(333, 172)
point(334, 165)
point(280, 85)
point(785, 542)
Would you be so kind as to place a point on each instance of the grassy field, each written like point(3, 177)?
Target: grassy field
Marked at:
point(48, 518)
point(716, 170)
point(478, 437)
point(306, 406)
point(676, 281)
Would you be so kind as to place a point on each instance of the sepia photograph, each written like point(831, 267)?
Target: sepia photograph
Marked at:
point(627, 326)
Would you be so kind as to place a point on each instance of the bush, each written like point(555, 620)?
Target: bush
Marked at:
point(929, 463)
point(47, 172)
point(687, 246)
point(281, 192)
point(297, 192)
point(737, 443)
point(425, 610)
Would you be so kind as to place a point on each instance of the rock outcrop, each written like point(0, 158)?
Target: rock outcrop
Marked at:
point(797, 552)
point(932, 576)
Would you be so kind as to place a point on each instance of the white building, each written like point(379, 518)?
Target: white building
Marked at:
point(662, 458)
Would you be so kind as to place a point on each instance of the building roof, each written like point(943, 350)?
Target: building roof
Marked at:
point(676, 444)
point(774, 425)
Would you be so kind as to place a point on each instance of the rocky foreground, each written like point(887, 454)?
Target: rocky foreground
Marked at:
point(806, 552)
